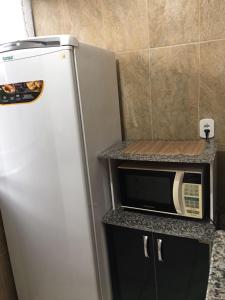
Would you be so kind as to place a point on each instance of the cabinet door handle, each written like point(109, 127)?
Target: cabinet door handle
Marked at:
point(159, 245)
point(145, 239)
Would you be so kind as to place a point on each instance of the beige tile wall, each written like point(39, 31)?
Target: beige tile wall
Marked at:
point(171, 57)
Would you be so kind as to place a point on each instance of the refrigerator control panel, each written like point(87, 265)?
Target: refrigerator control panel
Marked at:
point(21, 92)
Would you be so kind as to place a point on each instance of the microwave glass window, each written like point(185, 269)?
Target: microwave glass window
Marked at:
point(147, 189)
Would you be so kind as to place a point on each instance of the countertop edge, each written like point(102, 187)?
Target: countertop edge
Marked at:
point(158, 224)
point(116, 152)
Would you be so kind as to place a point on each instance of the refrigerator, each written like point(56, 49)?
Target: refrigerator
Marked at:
point(59, 109)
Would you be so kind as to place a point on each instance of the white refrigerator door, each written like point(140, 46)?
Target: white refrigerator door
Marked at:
point(42, 181)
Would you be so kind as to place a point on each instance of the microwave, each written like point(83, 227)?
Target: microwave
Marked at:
point(181, 190)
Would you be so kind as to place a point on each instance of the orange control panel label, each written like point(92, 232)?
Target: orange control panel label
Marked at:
point(21, 92)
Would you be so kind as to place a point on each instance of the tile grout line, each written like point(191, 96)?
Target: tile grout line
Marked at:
point(199, 59)
point(150, 93)
point(103, 24)
point(169, 46)
point(149, 70)
point(210, 41)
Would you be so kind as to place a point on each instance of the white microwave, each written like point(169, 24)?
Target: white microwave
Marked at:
point(181, 191)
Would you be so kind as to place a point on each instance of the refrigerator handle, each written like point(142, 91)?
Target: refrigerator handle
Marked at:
point(28, 44)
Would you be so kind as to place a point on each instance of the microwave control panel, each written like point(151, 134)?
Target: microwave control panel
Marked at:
point(192, 199)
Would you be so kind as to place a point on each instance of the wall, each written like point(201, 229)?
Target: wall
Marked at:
point(171, 60)
point(7, 287)
point(22, 25)
point(170, 53)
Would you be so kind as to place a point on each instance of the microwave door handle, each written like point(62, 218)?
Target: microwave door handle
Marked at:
point(177, 192)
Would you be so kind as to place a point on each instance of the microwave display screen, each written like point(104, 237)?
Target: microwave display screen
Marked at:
point(147, 189)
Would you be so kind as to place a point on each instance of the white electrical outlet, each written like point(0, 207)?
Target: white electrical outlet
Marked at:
point(204, 125)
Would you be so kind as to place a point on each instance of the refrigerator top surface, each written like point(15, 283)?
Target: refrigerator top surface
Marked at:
point(40, 42)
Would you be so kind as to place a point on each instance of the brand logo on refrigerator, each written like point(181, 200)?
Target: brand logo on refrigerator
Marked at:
point(20, 92)
point(7, 58)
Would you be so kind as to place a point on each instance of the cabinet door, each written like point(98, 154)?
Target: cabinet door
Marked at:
point(132, 273)
point(182, 268)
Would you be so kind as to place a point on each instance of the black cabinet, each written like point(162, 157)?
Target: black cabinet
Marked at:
point(132, 274)
point(182, 267)
point(148, 266)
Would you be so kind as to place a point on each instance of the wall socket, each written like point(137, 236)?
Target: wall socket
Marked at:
point(206, 124)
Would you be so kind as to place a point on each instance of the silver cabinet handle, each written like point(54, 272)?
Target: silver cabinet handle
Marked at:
point(145, 239)
point(159, 245)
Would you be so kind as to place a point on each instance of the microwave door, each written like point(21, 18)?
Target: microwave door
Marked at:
point(147, 189)
point(177, 192)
